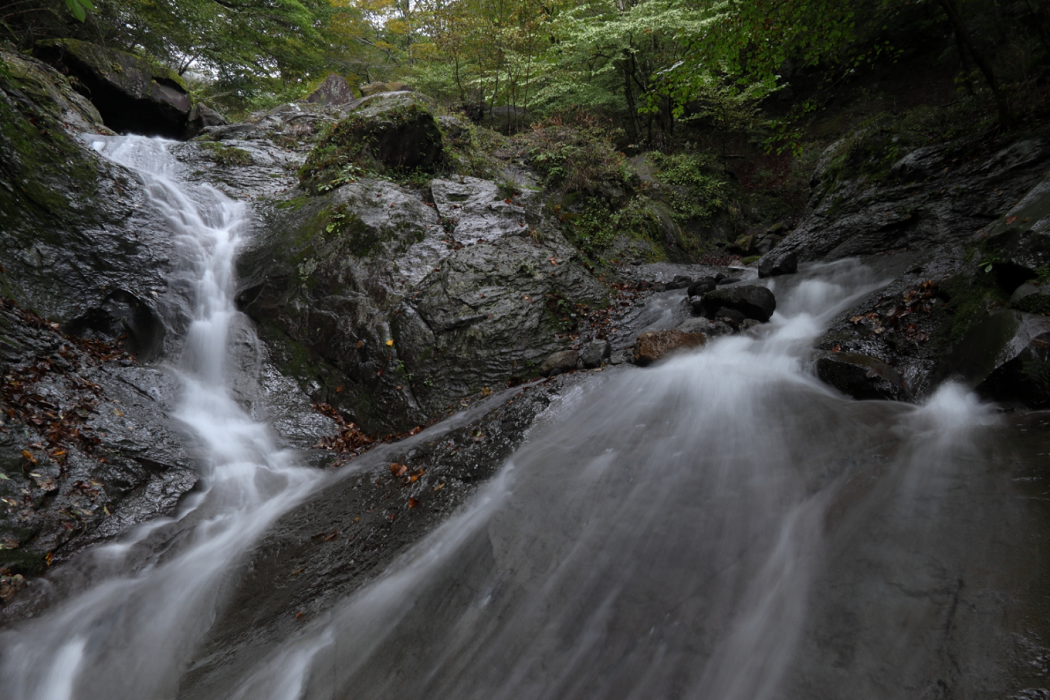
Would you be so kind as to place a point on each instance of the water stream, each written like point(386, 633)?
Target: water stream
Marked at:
point(130, 634)
point(721, 526)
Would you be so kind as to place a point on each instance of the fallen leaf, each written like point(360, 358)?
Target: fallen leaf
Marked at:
point(390, 343)
point(329, 538)
point(398, 470)
point(413, 503)
point(439, 486)
point(117, 412)
point(299, 571)
point(1010, 220)
point(360, 344)
point(299, 615)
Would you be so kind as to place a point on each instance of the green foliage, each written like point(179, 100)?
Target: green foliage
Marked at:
point(227, 156)
point(79, 8)
point(701, 192)
point(575, 158)
point(600, 223)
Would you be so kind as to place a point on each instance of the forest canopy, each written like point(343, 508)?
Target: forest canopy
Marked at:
point(647, 64)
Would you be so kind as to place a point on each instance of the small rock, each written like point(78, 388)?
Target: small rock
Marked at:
point(775, 264)
point(654, 345)
point(559, 362)
point(595, 352)
point(680, 282)
point(752, 301)
point(369, 89)
point(862, 376)
point(702, 286)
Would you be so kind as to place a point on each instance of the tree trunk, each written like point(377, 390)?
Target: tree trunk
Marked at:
point(1006, 119)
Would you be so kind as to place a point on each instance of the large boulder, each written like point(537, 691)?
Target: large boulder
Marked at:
point(388, 132)
point(752, 301)
point(387, 314)
point(886, 189)
point(132, 94)
point(333, 91)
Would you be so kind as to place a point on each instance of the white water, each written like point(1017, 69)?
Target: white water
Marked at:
point(658, 540)
point(659, 536)
point(128, 636)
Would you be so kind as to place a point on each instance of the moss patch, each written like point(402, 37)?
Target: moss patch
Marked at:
point(226, 156)
point(393, 136)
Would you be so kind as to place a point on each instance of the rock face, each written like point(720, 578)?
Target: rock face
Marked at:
point(752, 301)
point(388, 312)
point(132, 94)
point(1006, 355)
point(777, 263)
point(654, 345)
point(385, 132)
point(333, 91)
point(77, 243)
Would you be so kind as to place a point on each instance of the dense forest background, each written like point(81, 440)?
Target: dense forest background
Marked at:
point(647, 64)
point(743, 93)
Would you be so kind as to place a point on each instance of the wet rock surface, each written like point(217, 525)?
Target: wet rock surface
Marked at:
point(87, 448)
point(345, 536)
point(402, 313)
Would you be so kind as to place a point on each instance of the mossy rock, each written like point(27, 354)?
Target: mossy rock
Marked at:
point(132, 93)
point(387, 133)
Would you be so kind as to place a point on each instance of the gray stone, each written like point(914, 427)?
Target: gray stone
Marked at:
point(778, 263)
point(131, 93)
point(752, 301)
point(559, 362)
point(595, 352)
point(333, 91)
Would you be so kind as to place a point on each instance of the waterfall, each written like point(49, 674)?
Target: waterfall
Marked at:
point(129, 635)
point(720, 526)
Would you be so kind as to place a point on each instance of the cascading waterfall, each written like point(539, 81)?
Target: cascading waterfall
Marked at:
point(660, 538)
point(721, 527)
point(129, 635)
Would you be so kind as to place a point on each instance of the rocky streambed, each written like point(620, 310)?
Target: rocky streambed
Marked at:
point(411, 312)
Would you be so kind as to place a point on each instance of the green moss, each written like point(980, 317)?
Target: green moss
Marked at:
point(700, 188)
point(293, 204)
point(399, 138)
point(227, 156)
point(45, 179)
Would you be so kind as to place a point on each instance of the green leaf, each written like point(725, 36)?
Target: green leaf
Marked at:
point(76, 9)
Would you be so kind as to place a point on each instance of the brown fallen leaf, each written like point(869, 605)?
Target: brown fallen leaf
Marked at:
point(398, 470)
point(299, 615)
point(413, 503)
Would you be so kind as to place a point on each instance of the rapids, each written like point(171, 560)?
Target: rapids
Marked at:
point(720, 526)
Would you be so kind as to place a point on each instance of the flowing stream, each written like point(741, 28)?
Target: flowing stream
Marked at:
point(721, 526)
